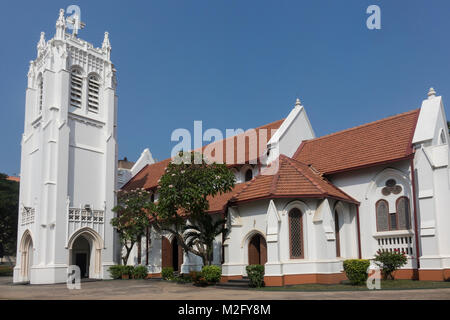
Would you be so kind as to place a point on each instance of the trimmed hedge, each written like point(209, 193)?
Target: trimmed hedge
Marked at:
point(167, 273)
point(212, 273)
point(140, 272)
point(255, 274)
point(356, 270)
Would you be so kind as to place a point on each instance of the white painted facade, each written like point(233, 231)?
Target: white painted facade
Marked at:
point(68, 161)
point(69, 176)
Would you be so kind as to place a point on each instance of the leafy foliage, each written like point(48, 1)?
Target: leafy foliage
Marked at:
point(132, 219)
point(116, 271)
point(212, 273)
point(167, 273)
point(184, 191)
point(9, 207)
point(140, 272)
point(255, 273)
point(201, 235)
point(356, 270)
point(389, 262)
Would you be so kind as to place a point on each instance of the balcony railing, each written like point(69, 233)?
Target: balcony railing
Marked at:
point(403, 243)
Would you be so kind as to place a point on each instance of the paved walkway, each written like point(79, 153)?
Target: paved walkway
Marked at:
point(161, 290)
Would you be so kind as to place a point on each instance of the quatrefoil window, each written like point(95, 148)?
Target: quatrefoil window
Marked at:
point(391, 187)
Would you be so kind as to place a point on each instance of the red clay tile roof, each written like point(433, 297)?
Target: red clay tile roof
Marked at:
point(219, 202)
point(293, 179)
point(378, 142)
point(148, 177)
point(16, 179)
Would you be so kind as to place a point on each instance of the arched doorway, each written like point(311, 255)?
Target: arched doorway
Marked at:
point(85, 248)
point(257, 250)
point(81, 252)
point(26, 255)
point(172, 254)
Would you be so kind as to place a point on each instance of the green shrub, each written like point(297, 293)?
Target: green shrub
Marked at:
point(356, 270)
point(128, 270)
point(389, 262)
point(140, 272)
point(116, 271)
point(6, 271)
point(255, 274)
point(212, 273)
point(167, 273)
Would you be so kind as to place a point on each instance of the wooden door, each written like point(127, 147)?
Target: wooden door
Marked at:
point(166, 253)
point(262, 251)
point(257, 250)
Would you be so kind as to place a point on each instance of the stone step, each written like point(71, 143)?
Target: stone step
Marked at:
point(246, 281)
point(233, 285)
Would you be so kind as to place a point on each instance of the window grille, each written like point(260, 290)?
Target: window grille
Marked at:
point(296, 233)
point(382, 211)
point(403, 213)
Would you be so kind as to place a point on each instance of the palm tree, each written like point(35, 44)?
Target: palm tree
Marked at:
point(201, 233)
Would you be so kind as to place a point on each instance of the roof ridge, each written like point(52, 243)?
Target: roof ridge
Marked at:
point(325, 180)
point(224, 140)
point(300, 170)
point(363, 125)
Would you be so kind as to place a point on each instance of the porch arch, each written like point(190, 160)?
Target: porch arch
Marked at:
point(26, 255)
point(95, 250)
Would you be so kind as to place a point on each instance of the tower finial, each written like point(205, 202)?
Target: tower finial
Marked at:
point(298, 102)
point(60, 25)
point(76, 24)
point(106, 44)
point(41, 43)
point(431, 93)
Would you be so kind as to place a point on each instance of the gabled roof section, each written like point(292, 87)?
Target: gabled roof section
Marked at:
point(374, 143)
point(149, 176)
point(293, 179)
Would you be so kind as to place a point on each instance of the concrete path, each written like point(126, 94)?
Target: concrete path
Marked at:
point(161, 290)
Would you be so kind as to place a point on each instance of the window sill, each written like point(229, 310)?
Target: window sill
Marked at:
point(393, 233)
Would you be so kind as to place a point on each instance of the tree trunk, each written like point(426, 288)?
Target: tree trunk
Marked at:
point(139, 250)
point(127, 255)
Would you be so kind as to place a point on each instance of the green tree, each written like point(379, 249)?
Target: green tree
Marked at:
point(184, 191)
point(201, 234)
point(9, 206)
point(132, 219)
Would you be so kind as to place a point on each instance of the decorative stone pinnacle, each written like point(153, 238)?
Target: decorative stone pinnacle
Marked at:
point(431, 93)
point(41, 43)
point(298, 102)
point(106, 44)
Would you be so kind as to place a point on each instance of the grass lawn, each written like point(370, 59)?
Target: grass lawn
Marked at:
point(345, 286)
point(6, 271)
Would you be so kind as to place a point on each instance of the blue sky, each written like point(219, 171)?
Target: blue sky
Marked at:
point(238, 64)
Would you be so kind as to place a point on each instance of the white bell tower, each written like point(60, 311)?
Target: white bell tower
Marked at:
point(68, 161)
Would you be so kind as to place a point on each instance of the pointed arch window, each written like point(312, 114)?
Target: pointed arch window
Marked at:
point(296, 234)
point(93, 92)
point(76, 87)
point(382, 211)
point(403, 213)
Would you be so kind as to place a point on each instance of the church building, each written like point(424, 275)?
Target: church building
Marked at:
point(383, 185)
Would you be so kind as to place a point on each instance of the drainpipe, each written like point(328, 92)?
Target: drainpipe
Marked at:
point(413, 178)
point(359, 231)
